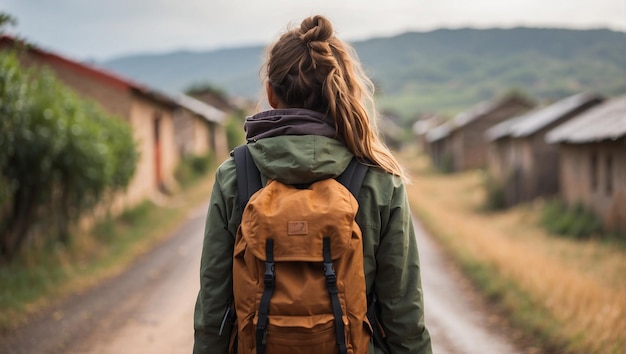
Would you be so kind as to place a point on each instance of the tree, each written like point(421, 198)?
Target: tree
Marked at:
point(61, 155)
point(6, 19)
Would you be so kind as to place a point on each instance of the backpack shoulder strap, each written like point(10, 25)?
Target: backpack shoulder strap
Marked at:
point(248, 175)
point(352, 177)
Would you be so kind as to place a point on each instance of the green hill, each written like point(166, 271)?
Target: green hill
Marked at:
point(437, 71)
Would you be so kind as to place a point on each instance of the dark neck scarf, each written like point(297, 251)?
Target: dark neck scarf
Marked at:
point(291, 121)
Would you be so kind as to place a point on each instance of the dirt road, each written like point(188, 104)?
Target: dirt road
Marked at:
point(149, 309)
point(455, 314)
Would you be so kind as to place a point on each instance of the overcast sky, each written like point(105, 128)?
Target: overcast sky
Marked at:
point(103, 29)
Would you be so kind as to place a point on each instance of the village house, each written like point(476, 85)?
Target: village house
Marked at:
point(214, 98)
point(592, 163)
point(422, 126)
point(459, 144)
point(519, 159)
point(199, 128)
point(390, 130)
point(149, 113)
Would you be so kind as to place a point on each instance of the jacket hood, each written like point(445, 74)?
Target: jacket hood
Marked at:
point(300, 159)
point(295, 145)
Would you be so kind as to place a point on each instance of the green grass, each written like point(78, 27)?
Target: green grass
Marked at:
point(192, 168)
point(575, 221)
point(47, 273)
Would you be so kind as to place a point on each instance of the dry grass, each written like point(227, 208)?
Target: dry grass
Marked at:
point(572, 294)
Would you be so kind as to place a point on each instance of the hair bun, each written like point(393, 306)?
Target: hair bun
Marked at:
point(316, 28)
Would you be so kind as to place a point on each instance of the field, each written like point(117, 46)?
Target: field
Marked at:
point(568, 296)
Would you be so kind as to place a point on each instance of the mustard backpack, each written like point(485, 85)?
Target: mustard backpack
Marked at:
point(298, 281)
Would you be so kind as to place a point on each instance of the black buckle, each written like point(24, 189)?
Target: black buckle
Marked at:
point(268, 277)
point(329, 272)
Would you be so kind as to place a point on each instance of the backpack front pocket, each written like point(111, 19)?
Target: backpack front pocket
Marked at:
point(302, 334)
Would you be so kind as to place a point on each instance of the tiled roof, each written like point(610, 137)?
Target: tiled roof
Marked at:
point(606, 121)
point(439, 132)
point(99, 74)
point(530, 123)
point(477, 112)
point(208, 112)
point(422, 126)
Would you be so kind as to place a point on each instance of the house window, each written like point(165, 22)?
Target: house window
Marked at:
point(608, 175)
point(593, 169)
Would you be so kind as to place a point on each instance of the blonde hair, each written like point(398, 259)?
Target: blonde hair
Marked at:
point(309, 67)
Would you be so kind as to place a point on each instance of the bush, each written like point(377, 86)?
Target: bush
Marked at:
point(192, 167)
point(495, 196)
point(575, 221)
point(235, 134)
point(61, 155)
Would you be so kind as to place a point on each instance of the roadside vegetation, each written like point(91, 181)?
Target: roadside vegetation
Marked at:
point(62, 157)
point(62, 161)
point(40, 276)
point(573, 221)
point(192, 168)
point(566, 294)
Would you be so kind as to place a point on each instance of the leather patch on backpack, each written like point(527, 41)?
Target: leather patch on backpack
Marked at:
point(297, 228)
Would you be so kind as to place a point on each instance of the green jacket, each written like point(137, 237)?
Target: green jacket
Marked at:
point(390, 251)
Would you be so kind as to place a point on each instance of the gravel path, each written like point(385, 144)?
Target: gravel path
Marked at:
point(455, 316)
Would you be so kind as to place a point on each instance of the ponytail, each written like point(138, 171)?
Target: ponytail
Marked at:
point(309, 67)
